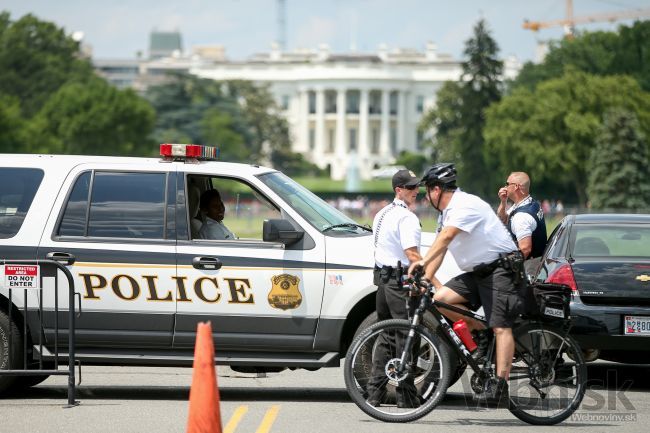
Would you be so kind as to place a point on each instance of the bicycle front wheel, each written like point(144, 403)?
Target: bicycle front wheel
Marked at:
point(548, 376)
point(390, 383)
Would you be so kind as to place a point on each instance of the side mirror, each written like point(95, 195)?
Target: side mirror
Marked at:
point(281, 231)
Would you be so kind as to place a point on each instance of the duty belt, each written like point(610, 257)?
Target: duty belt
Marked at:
point(388, 272)
point(511, 262)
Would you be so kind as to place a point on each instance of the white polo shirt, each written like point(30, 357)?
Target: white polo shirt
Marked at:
point(395, 229)
point(523, 224)
point(212, 229)
point(483, 236)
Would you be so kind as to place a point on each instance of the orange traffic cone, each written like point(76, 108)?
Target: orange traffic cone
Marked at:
point(204, 413)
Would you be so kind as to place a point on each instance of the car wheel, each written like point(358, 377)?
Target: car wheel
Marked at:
point(9, 360)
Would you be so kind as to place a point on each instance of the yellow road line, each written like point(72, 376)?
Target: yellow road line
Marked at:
point(269, 418)
point(235, 418)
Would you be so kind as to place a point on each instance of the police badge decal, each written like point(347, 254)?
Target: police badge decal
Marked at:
point(285, 293)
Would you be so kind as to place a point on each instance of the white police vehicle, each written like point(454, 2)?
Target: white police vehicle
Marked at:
point(289, 291)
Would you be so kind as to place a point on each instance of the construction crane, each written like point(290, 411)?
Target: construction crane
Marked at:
point(570, 21)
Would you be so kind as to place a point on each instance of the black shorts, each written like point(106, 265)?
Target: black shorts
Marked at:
point(501, 299)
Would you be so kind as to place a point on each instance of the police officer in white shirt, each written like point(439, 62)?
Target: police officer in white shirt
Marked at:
point(524, 219)
point(492, 266)
point(213, 227)
point(397, 234)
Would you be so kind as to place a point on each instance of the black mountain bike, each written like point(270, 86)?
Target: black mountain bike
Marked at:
point(412, 365)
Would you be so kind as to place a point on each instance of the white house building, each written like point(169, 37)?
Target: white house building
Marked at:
point(349, 113)
point(344, 110)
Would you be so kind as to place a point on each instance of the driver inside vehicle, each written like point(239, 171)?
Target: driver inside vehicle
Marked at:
point(213, 208)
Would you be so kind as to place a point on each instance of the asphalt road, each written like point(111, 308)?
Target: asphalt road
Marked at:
point(140, 399)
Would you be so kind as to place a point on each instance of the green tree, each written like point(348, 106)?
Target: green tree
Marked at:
point(267, 130)
point(549, 132)
point(93, 118)
point(239, 117)
point(619, 166)
point(413, 161)
point(36, 59)
point(626, 51)
point(459, 116)
point(217, 129)
point(12, 126)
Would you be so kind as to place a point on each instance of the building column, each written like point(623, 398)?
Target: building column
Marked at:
point(401, 121)
point(303, 121)
point(319, 148)
point(364, 148)
point(384, 136)
point(341, 148)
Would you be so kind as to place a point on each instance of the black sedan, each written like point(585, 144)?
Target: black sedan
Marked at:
point(605, 259)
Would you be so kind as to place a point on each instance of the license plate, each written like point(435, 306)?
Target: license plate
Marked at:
point(637, 325)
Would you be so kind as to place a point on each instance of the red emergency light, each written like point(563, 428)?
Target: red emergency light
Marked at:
point(188, 151)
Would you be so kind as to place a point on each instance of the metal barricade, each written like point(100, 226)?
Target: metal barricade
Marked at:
point(28, 316)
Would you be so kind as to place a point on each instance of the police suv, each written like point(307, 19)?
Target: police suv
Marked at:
point(289, 290)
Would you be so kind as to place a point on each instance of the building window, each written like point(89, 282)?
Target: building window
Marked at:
point(353, 140)
point(374, 103)
point(312, 102)
point(312, 138)
point(419, 104)
point(393, 103)
point(330, 140)
point(284, 103)
point(393, 141)
point(330, 102)
point(374, 143)
point(352, 101)
point(419, 141)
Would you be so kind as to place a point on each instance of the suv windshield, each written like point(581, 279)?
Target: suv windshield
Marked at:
point(311, 207)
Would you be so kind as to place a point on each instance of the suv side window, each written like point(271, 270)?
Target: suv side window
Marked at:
point(122, 205)
point(73, 222)
point(244, 209)
point(18, 187)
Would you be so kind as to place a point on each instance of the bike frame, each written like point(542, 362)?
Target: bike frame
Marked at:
point(427, 303)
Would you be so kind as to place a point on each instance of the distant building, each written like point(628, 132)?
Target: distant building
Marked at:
point(355, 108)
point(165, 44)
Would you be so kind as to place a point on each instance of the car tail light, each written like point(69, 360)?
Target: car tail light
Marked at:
point(563, 275)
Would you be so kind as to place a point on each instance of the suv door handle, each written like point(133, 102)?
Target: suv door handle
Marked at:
point(210, 263)
point(61, 257)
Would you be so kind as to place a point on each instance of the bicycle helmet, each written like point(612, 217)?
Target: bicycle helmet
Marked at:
point(442, 174)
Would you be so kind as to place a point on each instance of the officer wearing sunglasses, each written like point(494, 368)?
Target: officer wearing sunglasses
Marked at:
point(397, 232)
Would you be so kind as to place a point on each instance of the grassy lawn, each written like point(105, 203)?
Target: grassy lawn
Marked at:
point(323, 184)
point(251, 227)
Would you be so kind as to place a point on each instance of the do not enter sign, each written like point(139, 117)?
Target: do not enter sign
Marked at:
point(22, 276)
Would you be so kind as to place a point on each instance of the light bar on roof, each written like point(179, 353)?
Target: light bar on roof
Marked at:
point(188, 151)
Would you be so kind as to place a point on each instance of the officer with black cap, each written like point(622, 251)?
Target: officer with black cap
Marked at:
point(397, 232)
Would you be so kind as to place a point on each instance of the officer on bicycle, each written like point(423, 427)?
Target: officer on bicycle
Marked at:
point(397, 234)
point(492, 265)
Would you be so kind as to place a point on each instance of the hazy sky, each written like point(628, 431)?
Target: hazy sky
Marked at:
point(120, 28)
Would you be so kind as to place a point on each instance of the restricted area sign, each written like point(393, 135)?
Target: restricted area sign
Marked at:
point(22, 276)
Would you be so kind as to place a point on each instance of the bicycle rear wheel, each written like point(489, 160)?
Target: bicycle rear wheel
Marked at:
point(548, 376)
point(381, 387)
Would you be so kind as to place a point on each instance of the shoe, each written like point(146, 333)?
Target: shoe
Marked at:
point(564, 374)
point(376, 398)
point(483, 339)
point(495, 391)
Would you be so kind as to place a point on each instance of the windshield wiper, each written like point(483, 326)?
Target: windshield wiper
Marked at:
point(353, 225)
